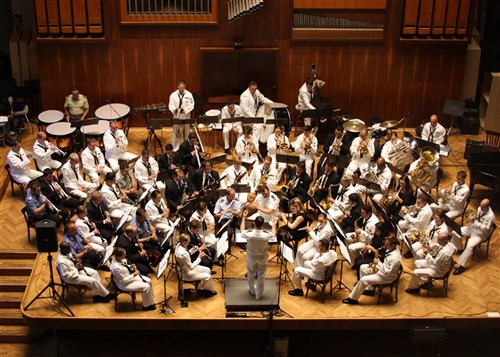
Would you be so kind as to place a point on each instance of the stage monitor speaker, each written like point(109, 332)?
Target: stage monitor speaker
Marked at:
point(454, 107)
point(46, 236)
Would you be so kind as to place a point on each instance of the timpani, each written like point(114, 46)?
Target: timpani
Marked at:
point(96, 131)
point(60, 134)
point(49, 117)
point(114, 111)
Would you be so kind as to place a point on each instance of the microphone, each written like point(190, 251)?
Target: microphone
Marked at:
point(313, 66)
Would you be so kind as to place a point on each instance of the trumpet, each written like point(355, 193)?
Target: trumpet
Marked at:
point(60, 192)
point(56, 149)
point(337, 144)
point(202, 151)
point(52, 206)
point(408, 210)
point(306, 145)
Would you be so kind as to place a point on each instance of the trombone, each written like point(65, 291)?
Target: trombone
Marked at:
point(52, 206)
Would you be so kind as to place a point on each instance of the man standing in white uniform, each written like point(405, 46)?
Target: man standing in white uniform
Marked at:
point(250, 101)
point(181, 104)
point(306, 93)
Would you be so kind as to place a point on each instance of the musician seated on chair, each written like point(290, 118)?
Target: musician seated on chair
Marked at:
point(335, 144)
point(146, 232)
point(146, 171)
point(169, 160)
point(264, 173)
point(436, 262)
point(247, 146)
point(43, 151)
point(117, 203)
point(116, 144)
point(193, 230)
point(364, 229)
point(231, 110)
point(433, 131)
point(73, 180)
point(52, 189)
point(181, 104)
point(401, 198)
point(372, 249)
point(99, 215)
point(380, 174)
point(322, 231)
point(418, 216)
point(327, 180)
point(434, 229)
point(266, 203)
point(477, 232)
point(93, 161)
point(339, 201)
point(189, 154)
point(38, 206)
point(382, 273)
point(228, 208)
point(72, 271)
point(454, 198)
point(19, 161)
point(89, 231)
point(134, 246)
point(81, 248)
point(297, 186)
point(278, 143)
point(158, 212)
point(178, 191)
point(294, 229)
point(203, 215)
point(127, 183)
point(355, 203)
point(314, 268)
point(306, 93)
point(421, 168)
point(307, 145)
point(192, 269)
point(205, 179)
point(128, 278)
point(362, 151)
point(390, 148)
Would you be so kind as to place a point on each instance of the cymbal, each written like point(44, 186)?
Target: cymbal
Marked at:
point(389, 124)
point(354, 127)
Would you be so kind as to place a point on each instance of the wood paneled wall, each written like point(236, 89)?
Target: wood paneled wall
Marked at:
point(141, 64)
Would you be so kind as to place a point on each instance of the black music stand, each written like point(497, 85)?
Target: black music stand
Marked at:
point(288, 159)
point(388, 223)
point(162, 266)
point(316, 114)
point(154, 124)
point(337, 160)
point(433, 200)
point(395, 169)
point(241, 188)
point(453, 108)
point(341, 239)
point(453, 225)
point(368, 184)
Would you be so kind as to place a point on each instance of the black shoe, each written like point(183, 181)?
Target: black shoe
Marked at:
point(369, 292)
point(408, 255)
point(350, 301)
point(413, 291)
point(296, 292)
point(149, 308)
point(459, 270)
point(104, 268)
point(426, 286)
point(311, 286)
point(102, 299)
point(213, 272)
point(206, 293)
point(460, 251)
point(110, 296)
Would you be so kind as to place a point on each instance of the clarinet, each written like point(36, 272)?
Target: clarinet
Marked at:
point(77, 263)
point(132, 270)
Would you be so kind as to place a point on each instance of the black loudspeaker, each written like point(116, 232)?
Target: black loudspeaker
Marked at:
point(469, 123)
point(472, 146)
point(46, 236)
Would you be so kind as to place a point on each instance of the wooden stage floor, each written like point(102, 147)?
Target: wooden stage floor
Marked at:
point(470, 297)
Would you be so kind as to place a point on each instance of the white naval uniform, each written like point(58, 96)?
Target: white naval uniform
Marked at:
point(250, 103)
point(228, 127)
point(223, 204)
point(477, 232)
point(192, 271)
point(389, 148)
point(419, 220)
point(230, 174)
point(91, 161)
point(272, 202)
point(313, 268)
point(456, 201)
point(117, 208)
point(304, 100)
point(257, 173)
point(384, 178)
point(98, 243)
point(433, 169)
point(114, 151)
point(430, 266)
point(272, 150)
point(70, 274)
point(126, 281)
point(206, 220)
point(434, 135)
point(42, 153)
point(433, 232)
point(257, 249)
point(365, 237)
point(142, 174)
point(307, 250)
point(240, 148)
point(387, 272)
point(307, 157)
point(155, 216)
point(19, 169)
point(72, 180)
point(181, 106)
point(358, 159)
point(341, 200)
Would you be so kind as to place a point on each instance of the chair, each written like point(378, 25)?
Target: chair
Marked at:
point(486, 241)
point(13, 181)
point(393, 285)
point(81, 289)
point(444, 278)
point(23, 114)
point(118, 291)
point(29, 222)
point(181, 283)
point(492, 138)
point(328, 279)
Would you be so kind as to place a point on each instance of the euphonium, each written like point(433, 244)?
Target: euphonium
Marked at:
point(338, 143)
point(369, 172)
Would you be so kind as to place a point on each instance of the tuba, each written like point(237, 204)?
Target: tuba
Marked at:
point(421, 174)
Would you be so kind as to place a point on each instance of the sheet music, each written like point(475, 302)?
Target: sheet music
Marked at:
point(222, 245)
point(109, 251)
point(163, 265)
point(344, 250)
point(404, 238)
point(223, 227)
point(287, 252)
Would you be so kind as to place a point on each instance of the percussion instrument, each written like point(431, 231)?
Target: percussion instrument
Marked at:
point(354, 125)
point(60, 135)
point(96, 131)
point(378, 131)
point(389, 124)
point(49, 117)
point(113, 111)
point(212, 113)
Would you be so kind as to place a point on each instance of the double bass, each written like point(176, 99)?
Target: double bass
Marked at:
point(320, 102)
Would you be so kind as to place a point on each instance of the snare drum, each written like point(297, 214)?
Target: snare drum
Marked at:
point(60, 135)
point(214, 113)
point(113, 111)
point(49, 117)
point(96, 131)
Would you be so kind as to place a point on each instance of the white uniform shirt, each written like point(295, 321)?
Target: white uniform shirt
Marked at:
point(458, 196)
point(92, 160)
point(421, 219)
point(441, 263)
point(356, 155)
point(154, 214)
point(113, 149)
point(298, 145)
point(181, 102)
point(42, 153)
point(434, 135)
point(272, 202)
point(272, 149)
point(320, 232)
point(19, 163)
point(319, 262)
point(231, 174)
point(141, 171)
point(71, 180)
point(250, 102)
point(241, 145)
point(257, 242)
point(223, 204)
point(257, 173)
